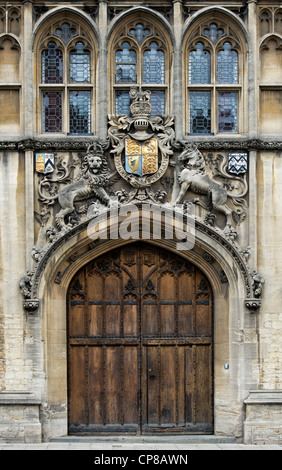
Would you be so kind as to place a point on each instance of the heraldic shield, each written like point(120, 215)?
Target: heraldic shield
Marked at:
point(141, 158)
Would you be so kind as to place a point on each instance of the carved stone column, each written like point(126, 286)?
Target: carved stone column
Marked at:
point(102, 98)
point(177, 73)
point(253, 70)
point(27, 75)
point(29, 206)
point(253, 209)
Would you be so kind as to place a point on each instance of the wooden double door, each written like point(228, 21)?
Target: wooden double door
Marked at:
point(140, 345)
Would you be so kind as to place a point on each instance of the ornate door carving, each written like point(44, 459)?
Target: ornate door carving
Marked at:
point(140, 345)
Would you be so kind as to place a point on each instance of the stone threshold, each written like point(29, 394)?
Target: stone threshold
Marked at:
point(187, 439)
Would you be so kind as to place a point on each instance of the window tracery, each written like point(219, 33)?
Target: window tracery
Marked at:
point(66, 82)
point(213, 78)
point(141, 54)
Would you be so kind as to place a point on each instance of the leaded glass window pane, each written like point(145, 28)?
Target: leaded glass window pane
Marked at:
point(228, 112)
point(125, 64)
point(80, 112)
point(227, 65)
point(52, 64)
point(122, 103)
point(153, 65)
point(200, 112)
point(80, 65)
point(52, 111)
point(199, 65)
point(158, 103)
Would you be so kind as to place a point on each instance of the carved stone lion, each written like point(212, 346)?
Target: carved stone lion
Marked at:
point(194, 177)
point(91, 181)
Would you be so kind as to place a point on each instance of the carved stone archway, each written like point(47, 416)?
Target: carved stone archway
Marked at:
point(229, 280)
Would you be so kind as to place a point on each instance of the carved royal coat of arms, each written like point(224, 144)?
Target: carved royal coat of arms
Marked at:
point(141, 145)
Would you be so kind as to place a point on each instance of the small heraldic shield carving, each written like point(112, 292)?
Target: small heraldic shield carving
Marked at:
point(237, 163)
point(45, 163)
point(141, 158)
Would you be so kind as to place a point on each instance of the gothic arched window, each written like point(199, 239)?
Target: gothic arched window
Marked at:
point(213, 79)
point(66, 79)
point(140, 53)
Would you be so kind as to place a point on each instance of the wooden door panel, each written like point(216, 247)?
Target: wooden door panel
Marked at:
point(140, 344)
point(131, 395)
point(203, 390)
point(179, 388)
point(96, 385)
point(95, 319)
point(77, 386)
point(150, 323)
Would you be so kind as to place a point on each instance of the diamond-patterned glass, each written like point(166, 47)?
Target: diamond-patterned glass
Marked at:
point(200, 112)
point(122, 103)
point(227, 65)
point(80, 65)
point(199, 65)
point(52, 64)
point(154, 65)
point(80, 112)
point(126, 64)
point(228, 112)
point(52, 111)
point(158, 103)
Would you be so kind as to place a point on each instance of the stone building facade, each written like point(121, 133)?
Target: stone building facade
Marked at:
point(108, 105)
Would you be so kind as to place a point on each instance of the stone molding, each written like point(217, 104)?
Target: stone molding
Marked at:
point(77, 145)
point(260, 397)
point(31, 295)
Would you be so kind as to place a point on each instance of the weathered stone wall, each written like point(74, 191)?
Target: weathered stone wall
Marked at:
point(269, 226)
point(33, 357)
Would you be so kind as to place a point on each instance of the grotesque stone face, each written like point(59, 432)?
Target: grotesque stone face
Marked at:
point(94, 163)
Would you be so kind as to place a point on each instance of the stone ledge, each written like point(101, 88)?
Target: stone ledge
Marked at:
point(266, 397)
point(19, 398)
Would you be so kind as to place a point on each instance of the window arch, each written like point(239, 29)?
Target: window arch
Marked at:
point(66, 77)
point(213, 54)
point(140, 56)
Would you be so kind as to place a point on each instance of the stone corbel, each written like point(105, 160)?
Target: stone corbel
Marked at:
point(31, 305)
point(253, 304)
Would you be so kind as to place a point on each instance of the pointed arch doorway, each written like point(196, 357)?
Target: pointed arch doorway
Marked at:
point(140, 345)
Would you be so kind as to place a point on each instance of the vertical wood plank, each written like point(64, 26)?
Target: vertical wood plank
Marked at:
point(168, 385)
point(113, 385)
point(189, 384)
point(153, 386)
point(77, 385)
point(131, 383)
point(203, 390)
point(96, 385)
